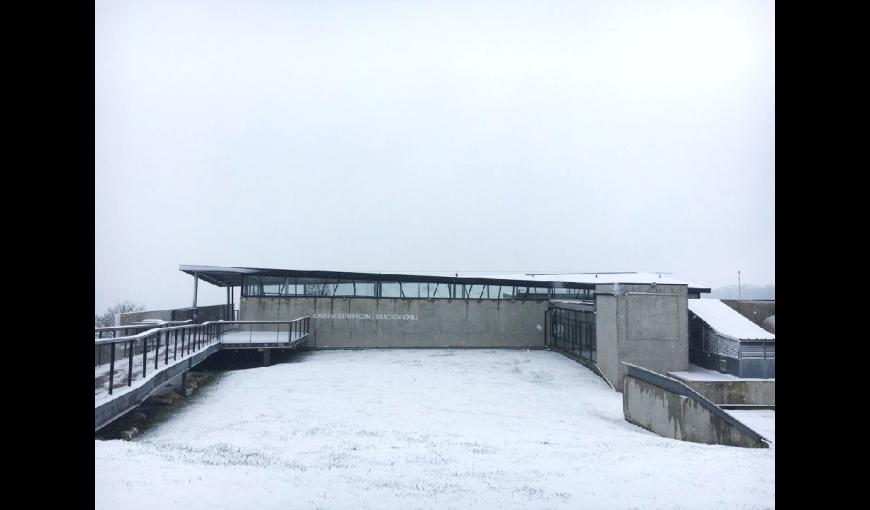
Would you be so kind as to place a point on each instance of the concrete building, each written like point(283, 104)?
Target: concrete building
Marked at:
point(600, 319)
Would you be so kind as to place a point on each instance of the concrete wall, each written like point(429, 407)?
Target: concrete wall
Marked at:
point(134, 317)
point(651, 328)
point(206, 313)
point(756, 311)
point(735, 392)
point(393, 322)
point(678, 417)
point(606, 339)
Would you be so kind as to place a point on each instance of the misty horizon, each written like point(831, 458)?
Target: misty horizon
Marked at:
point(510, 137)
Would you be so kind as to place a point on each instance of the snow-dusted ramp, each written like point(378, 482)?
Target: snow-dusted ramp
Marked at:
point(130, 368)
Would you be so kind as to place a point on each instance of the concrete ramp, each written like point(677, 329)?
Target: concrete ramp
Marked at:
point(669, 408)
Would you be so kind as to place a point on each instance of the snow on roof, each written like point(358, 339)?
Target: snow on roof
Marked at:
point(221, 273)
point(727, 321)
point(582, 277)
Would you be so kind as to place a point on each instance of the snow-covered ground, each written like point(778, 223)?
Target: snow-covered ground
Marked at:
point(420, 429)
point(762, 421)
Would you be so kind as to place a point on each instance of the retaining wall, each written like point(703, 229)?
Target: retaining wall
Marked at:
point(682, 417)
point(396, 322)
point(748, 392)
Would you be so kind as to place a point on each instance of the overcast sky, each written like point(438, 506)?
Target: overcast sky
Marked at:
point(470, 136)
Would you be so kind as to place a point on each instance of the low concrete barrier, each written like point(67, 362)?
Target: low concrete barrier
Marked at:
point(748, 392)
point(204, 314)
point(671, 409)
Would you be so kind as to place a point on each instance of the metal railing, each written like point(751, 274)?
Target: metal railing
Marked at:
point(572, 331)
point(131, 357)
point(758, 349)
point(117, 331)
point(250, 332)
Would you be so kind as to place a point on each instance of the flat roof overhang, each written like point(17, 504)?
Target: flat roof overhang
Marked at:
point(232, 277)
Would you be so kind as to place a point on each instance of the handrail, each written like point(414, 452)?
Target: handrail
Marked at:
point(193, 338)
point(104, 341)
point(113, 330)
point(133, 326)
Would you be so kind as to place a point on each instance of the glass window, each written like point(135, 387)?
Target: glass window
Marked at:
point(390, 290)
point(342, 289)
point(475, 291)
point(439, 291)
point(410, 289)
point(365, 289)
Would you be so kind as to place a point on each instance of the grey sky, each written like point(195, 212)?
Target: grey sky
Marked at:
point(499, 136)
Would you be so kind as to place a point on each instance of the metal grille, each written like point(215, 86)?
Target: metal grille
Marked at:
point(573, 331)
point(757, 351)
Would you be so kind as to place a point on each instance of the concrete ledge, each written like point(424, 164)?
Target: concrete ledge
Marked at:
point(686, 417)
point(745, 393)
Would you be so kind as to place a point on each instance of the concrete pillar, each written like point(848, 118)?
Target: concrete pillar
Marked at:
point(267, 357)
point(184, 384)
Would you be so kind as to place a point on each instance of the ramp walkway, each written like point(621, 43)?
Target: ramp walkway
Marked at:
point(128, 369)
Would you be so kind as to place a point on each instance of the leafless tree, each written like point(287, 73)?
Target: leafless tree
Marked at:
point(317, 289)
point(107, 318)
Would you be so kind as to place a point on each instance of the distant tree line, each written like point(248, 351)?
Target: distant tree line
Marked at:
point(746, 292)
point(107, 318)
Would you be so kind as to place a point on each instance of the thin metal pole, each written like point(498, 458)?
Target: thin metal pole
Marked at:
point(195, 285)
point(130, 367)
point(112, 368)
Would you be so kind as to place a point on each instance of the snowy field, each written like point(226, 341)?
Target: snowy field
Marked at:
point(420, 429)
